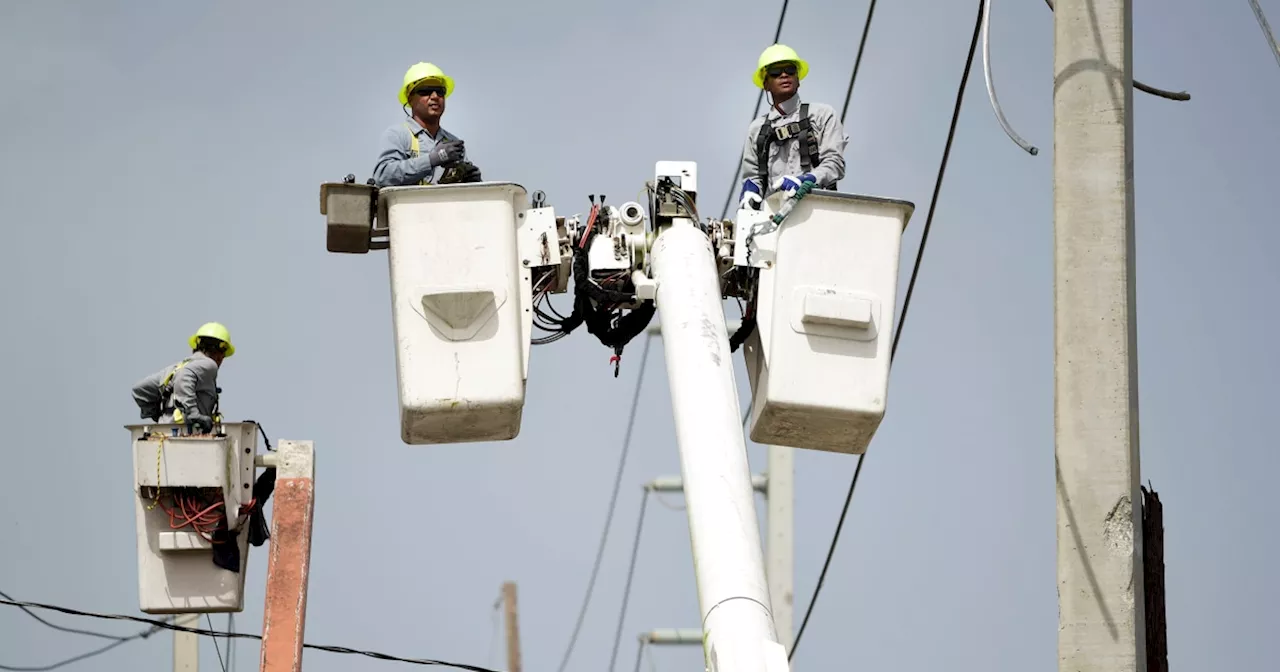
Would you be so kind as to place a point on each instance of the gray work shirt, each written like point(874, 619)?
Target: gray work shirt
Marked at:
point(784, 157)
point(195, 389)
point(398, 165)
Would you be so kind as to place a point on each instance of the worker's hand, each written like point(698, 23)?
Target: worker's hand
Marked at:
point(470, 173)
point(789, 182)
point(751, 196)
point(447, 153)
point(198, 424)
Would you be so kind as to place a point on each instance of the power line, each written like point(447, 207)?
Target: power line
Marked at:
point(117, 641)
point(84, 656)
point(857, 61)
point(613, 502)
point(906, 304)
point(74, 631)
point(157, 625)
point(631, 572)
point(221, 663)
point(777, 34)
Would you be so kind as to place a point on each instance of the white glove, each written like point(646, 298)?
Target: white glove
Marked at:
point(786, 183)
point(750, 200)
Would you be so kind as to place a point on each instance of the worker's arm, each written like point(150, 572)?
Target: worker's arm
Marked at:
point(831, 144)
point(198, 378)
point(395, 168)
point(146, 394)
point(750, 167)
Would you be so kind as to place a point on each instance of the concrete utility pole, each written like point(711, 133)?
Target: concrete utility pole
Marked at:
point(513, 626)
point(186, 645)
point(284, 618)
point(1100, 573)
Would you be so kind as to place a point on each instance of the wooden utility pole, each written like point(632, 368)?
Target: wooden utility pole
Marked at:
point(513, 626)
point(1100, 564)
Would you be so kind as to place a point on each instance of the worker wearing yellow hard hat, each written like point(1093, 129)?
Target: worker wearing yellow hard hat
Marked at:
point(794, 142)
point(187, 393)
point(418, 150)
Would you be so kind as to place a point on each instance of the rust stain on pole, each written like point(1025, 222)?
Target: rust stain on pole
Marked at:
point(285, 613)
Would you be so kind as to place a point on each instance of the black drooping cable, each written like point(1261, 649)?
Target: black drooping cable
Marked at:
point(74, 631)
point(117, 641)
point(158, 625)
point(906, 303)
point(777, 34)
point(83, 656)
point(221, 663)
point(857, 61)
point(613, 502)
point(631, 572)
point(1161, 93)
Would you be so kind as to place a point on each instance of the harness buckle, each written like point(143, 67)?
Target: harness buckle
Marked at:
point(787, 131)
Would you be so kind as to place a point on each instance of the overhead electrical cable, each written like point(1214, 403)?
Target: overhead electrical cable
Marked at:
point(906, 304)
point(613, 503)
point(158, 625)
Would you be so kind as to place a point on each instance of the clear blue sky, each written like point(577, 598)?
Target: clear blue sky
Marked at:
point(159, 167)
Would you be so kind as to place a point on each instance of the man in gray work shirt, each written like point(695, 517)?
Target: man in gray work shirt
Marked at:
point(418, 150)
point(793, 142)
point(187, 393)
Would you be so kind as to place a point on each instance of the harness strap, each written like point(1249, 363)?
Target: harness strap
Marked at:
point(801, 129)
point(415, 148)
point(166, 385)
point(166, 396)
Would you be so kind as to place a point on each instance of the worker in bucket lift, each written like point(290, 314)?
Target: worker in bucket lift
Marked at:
point(794, 142)
point(418, 150)
point(186, 393)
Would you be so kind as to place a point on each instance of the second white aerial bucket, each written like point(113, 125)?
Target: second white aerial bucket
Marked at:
point(456, 288)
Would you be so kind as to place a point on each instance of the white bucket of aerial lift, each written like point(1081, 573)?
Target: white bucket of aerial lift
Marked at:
point(818, 360)
point(176, 574)
point(460, 258)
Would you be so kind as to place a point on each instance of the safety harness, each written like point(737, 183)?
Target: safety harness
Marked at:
point(415, 148)
point(166, 396)
point(801, 129)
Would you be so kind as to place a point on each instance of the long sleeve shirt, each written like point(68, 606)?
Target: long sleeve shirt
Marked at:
point(399, 166)
point(195, 389)
point(784, 157)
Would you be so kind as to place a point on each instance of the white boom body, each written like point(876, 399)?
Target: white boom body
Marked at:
point(733, 594)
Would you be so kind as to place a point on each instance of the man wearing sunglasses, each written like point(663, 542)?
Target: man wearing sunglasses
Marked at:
point(419, 151)
point(793, 142)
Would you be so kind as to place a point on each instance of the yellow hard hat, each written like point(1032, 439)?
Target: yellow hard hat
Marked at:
point(213, 330)
point(778, 53)
point(423, 71)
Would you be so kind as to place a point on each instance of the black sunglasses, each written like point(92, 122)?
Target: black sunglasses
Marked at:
point(777, 70)
point(425, 91)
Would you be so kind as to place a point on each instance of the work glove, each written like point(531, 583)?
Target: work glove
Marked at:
point(461, 172)
point(792, 183)
point(199, 424)
point(471, 173)
point(751, 197)
point(447, 153)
